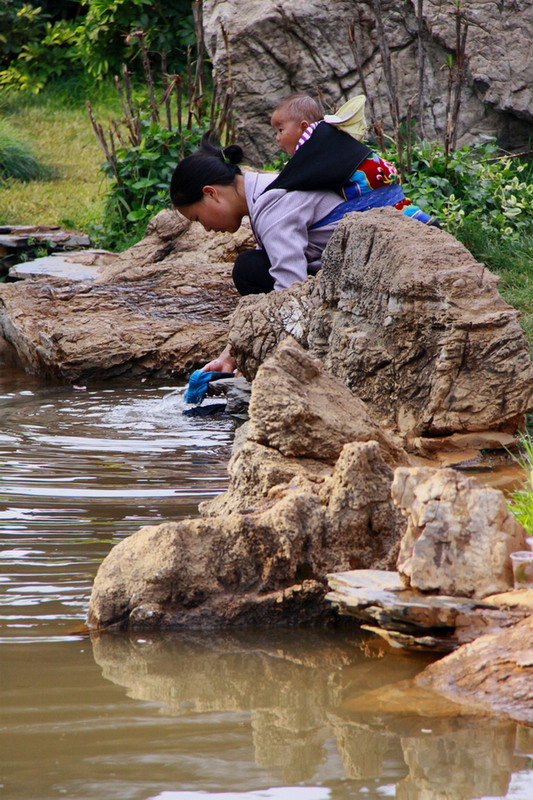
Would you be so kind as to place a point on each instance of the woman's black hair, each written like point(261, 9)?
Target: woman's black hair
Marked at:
point(210, 165)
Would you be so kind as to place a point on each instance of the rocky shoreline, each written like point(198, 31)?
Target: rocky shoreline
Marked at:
point(402, 345)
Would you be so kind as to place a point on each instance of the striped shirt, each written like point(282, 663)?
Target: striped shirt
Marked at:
point(307, 134)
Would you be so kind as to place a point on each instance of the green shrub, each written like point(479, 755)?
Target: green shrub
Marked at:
point(103, 36)
point(90, 36)
point(41, 59)
point(17, 160)
point(20, 23)
point(140, 178)
point(473, 186)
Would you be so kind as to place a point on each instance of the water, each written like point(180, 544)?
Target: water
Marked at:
point(253, 715)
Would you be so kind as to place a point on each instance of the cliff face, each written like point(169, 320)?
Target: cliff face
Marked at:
point(272, 49)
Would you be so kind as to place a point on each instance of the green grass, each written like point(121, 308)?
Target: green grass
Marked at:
point(56, 125)
point(513, 263)
point(17, 159)
point(521, 500)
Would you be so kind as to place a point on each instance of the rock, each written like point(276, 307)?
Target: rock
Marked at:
point(459, 534)
point(311, 414)
point(15, 240)
point(160, 307)
point(463, 442)
point(262, 556)
point(86, 265)
point(22, 241)
point(406, 318)
point(516, 598)
point(297, 432)
point(494, 673)
point(220, 572)
point(416, 621)
point(272, 50)
point(237, 393)
point(262, 321)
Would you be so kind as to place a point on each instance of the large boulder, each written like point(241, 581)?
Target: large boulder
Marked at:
point(262, 558)
point(272, 49)
point(160, 307)
point(296, 434)
point(494, 673)
point(459, 534)
point(406, 317)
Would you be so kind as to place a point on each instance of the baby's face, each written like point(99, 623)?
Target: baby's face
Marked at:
point(288, 131)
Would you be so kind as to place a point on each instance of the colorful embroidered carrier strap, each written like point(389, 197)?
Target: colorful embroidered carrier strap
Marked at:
point(387, 196)
point(416, 213)
point(323, 163)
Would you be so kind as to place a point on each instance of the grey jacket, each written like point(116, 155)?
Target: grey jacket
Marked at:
point(281, 221)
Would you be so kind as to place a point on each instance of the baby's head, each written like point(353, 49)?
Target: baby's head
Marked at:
point(291, 117)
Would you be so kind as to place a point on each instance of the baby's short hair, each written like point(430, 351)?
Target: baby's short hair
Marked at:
point(301, 106)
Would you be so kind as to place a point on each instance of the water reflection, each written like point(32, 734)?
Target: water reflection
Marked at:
point(321, 704)
point(293, 715)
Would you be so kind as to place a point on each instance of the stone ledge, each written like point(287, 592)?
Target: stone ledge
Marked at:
point(414, 620)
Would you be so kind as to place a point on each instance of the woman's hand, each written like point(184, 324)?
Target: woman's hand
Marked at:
point(224, 363)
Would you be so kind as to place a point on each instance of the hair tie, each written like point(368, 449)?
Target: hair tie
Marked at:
point(224, 159)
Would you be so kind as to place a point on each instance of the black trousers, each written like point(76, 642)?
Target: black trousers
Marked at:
point(251, 273)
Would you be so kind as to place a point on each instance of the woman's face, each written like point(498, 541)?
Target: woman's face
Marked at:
point(220, 209)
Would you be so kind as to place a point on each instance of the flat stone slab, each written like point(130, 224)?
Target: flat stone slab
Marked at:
point(517, 598)
point(237, 392)
point(407, 618)
point(57, 267)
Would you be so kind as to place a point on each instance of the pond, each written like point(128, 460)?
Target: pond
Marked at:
point(255, 715)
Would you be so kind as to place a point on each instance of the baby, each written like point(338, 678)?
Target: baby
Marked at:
point(292, 117)
point(296, 118)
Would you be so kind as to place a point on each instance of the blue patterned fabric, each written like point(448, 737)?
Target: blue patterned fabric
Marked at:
point(387, 196)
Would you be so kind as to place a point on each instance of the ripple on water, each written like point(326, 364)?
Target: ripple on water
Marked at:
point(81, 470)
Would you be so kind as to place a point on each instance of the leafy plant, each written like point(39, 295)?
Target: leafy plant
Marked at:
point(472, 185)
point(50, 39)
point(521, 500)
point(140, 177)
point(16, 158)
point(43, 58)
point(103, 37)
point(143, 150)
point(24, 23)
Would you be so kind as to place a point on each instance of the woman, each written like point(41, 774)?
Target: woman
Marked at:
point(289, 226)
point(208, 186)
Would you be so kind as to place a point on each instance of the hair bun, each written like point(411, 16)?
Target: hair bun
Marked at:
point(233, 153)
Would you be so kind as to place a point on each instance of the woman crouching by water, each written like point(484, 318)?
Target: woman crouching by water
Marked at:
point(209, 187)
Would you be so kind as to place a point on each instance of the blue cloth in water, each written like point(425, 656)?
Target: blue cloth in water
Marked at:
point(198, 383)
point(205, 411)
